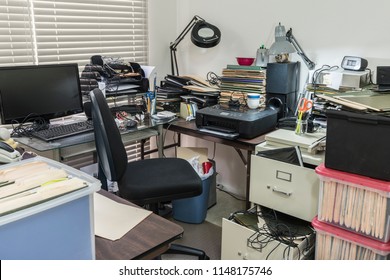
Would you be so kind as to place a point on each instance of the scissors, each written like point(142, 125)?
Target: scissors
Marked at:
point(304, 105)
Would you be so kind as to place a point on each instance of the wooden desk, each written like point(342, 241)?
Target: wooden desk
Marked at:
point(147, 240)
point(182, 126)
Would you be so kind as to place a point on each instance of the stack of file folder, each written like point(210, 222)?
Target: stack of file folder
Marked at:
point(237, 81)
point(187, 89)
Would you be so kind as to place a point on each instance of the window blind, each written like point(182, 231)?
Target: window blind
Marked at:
point(73, 31)
point(43, 31)
point(16, 37)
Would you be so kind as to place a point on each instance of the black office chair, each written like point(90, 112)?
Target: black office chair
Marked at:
point(145, 182)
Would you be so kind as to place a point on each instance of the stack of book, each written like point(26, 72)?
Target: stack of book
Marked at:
point(237, 81)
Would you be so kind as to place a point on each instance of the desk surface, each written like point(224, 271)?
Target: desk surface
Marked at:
point(144, 130)
point(189, 128)
point(147, 240)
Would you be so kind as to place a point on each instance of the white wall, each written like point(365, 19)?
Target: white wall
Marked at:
point(326, 30)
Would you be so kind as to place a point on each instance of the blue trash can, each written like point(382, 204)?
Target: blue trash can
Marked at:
point(194, 209)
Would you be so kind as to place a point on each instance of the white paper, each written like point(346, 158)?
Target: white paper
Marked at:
point(113, 219)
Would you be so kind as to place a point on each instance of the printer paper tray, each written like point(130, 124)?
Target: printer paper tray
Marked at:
point(220, 133)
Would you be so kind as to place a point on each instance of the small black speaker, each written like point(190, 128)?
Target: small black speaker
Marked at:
point(383, 75)
point(282, 77)
point(88, 109)
point(282, 86)
point(283, 103)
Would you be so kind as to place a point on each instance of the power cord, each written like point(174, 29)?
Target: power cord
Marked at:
point(28, 125)
point(213, 79)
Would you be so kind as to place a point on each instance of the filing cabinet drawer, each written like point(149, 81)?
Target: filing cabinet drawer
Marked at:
point(237, 240)
point(234, 242)
point(287, 188)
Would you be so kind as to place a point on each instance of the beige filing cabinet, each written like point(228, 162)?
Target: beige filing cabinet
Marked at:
point(287, 188)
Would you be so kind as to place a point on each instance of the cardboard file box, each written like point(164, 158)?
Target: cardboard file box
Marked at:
point(61, 228)
point(358, 143)
point(355, 203)
point(333, 243)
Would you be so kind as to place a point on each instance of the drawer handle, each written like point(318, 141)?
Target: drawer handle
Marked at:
point(274, 189)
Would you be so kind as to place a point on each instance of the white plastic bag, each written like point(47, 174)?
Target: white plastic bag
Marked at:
point(199, 169)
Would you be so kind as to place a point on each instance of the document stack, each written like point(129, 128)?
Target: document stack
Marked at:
point(189, 89)
point(237, 81)
point(353, 219)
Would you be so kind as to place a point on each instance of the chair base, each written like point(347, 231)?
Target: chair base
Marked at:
point(185, 250)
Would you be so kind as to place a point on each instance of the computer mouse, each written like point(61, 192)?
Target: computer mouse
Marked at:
point(131, 124)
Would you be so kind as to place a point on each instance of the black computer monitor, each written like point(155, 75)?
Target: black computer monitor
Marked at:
point(44, 92)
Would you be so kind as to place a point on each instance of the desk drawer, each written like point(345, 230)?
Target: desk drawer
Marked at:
point(284, 187)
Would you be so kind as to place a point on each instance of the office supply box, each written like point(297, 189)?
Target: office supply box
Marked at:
point(355, 203)
point(242, 121)
point(358, 143)
point(333, 243)
point(57, 228)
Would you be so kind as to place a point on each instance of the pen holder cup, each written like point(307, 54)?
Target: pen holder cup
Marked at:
point(301, 127)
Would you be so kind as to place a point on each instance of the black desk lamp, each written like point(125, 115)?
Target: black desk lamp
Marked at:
point(203, 35)
point(286, 43)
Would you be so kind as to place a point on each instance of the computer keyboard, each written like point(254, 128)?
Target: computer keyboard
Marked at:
point(61, 131)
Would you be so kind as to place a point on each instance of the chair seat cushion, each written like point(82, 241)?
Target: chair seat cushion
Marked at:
point(159, 179)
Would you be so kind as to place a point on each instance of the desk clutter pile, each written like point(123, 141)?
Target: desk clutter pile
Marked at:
point(184, 95)
point(114, 76)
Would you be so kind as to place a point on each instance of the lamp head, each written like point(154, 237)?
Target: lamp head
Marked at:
point(205, 35)
point(281, 44)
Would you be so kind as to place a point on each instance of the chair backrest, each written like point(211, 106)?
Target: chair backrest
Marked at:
point(112, 156)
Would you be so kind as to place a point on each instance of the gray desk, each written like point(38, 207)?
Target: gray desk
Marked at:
point(68, 147)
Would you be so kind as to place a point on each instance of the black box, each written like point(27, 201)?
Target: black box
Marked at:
point(358, 143)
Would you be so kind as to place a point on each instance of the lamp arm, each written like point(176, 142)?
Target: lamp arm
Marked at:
point(290, 37)
point(174, 44)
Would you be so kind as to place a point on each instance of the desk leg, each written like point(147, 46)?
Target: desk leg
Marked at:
point(160, 141)
point(248, 176)
point(247, 163)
